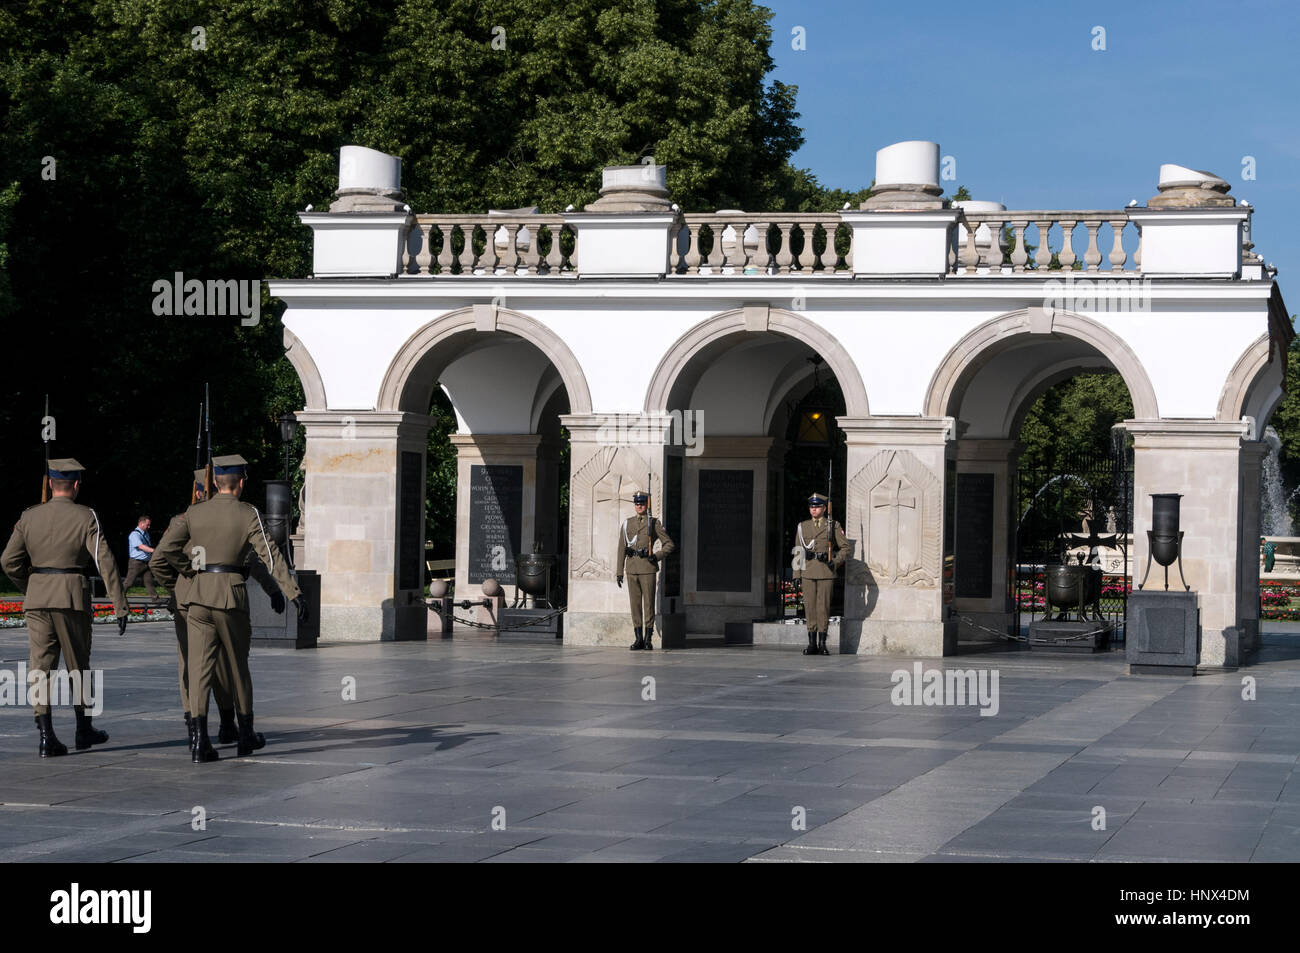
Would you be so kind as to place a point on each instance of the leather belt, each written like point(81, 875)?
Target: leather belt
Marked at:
point(218, 567)
point(47, 570)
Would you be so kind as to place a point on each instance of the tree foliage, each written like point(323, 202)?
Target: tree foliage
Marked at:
point(1074, 418)
point(185, 134)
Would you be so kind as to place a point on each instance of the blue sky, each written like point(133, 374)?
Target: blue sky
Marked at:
point(1036, 118)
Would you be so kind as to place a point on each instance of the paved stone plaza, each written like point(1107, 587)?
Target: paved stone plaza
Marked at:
point(443, 734)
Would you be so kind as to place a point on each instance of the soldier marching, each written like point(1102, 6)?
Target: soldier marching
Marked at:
point(49, 551)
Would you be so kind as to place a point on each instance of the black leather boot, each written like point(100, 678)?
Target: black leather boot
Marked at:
point(87, 733)
point(639, 644)
point(812, 643)
point(189, 728)
point(227, 734)
point(821, 643)
point(51, 747)
point(649, 634)
point(201, 750)
point(249, 740)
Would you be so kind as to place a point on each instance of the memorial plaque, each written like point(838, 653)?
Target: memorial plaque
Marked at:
point(410, 490)
point(974, 543)
point(724, 550)
point(672, 578)
point(496, 516)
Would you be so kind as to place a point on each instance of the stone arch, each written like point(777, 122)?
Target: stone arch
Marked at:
point(1241, 395)
point(757, 319)
point(973, 349)
point(313, 385)
point(397, 393)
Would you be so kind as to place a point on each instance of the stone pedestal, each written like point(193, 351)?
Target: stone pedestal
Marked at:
point(365, 525)
point(282, 630)
point(984, 527)
point(607, 464)
point(1163, 633)
point(893, 596)
point(1204, 461)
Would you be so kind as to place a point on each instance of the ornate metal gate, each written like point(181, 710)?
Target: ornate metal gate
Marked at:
point(1080, 506)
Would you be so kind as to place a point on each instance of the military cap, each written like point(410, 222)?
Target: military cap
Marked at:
point(640, 497)
point(816, 500)
point(231, 463)
point(65, 468)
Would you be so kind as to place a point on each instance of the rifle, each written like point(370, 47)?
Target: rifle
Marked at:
point(830, 512)
point(198, 445)
point(207, 425)
point(45, 474)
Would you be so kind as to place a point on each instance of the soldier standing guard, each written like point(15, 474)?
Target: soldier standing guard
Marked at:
point(163, 571)
point(821, 562)
point(636, 555)
point(45, 558)
point(211, 543)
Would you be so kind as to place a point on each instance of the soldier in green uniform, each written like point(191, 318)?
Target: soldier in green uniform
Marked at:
point(211, 543)
point(636, 557)
point(227, 733)
point(51, 544)
point(821, 562)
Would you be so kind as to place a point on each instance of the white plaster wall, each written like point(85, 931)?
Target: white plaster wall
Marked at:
point(494, 388)
point(898, 335)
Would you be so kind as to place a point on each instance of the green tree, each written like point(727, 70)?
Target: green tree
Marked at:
point(1073, 418)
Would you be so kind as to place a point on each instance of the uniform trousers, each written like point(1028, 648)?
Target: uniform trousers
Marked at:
point(641, 594)
point(210, 632)
point(55, 632)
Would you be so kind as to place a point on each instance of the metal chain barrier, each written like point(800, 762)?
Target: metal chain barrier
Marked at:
point(509, 628)
point(1024, 638)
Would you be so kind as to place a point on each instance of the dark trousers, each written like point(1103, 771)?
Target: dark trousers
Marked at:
point(136, 569)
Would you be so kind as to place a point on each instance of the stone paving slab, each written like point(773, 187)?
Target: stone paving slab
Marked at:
point(744, 754)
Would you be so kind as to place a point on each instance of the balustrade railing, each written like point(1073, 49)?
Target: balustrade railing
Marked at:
point(1002, 242)
point(537, 245)
point(806, 244)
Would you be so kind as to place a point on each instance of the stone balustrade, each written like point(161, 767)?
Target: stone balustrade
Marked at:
point(490, 245)
point(770, 243)
point(1079, 245)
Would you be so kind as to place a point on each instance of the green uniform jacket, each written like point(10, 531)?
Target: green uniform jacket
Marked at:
point(60, 534)
point(228, 532)
point(639, 532)
point(811, 535)
point(167, 576)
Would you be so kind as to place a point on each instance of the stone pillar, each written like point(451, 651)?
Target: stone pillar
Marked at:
point(1203, 460)
point(1252, 462)
point(608, 462)
point(984, 526)
point(726, 466)
point(477, 554)
point(893, 597)
point(365, 531)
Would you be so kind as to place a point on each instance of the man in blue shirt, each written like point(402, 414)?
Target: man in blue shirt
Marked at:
point(138, 551)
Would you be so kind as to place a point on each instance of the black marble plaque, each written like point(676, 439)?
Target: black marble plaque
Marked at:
point(974, 544)
point(672, 577)
point(410, 490)
point(496, 517)
point(726, 531)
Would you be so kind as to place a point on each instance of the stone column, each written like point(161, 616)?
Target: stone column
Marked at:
point(476, 554)
point(706, 563)
point(893, 597)
point(985, 475)
point(1203, 460)
point(365, 531)
point(1252, 462)
point(611, 456)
